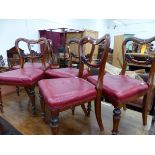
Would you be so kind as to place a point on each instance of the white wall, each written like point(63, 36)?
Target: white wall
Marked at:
point(11, 29)
point(142, 30)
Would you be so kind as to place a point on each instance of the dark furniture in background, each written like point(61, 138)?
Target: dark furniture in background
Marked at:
point(13, 56)
point(60, 36)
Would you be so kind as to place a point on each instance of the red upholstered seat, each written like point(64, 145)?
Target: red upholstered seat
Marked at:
point(24, 77)
point(65, 73)
point(62, 92)
point(120, 88)
point(36, 65)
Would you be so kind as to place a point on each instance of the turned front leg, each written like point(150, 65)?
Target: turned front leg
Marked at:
point(116, 120)
point(54, 122)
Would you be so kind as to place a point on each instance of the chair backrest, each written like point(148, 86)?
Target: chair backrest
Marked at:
point(87, 60)
point(40, 41)
point(135, 57)
point(72, 54)
point(140, 55)
point(50, 51)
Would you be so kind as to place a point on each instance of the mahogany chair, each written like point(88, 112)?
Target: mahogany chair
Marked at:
point(26, 77)
point(64, 93)
point(35, 58)
point(69, 71)
point(121, 89)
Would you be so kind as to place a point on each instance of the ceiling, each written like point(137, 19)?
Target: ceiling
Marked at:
point(130, 21)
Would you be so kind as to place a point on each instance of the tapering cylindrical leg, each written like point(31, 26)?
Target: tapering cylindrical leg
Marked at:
point(144, 111)
point(116, 120)
point(1, 103)
point(144, 117)
point(98, 114)
point(31, 93)
point(42, 103)
point(54, 122)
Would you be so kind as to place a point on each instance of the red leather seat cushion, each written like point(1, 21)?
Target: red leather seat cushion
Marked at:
point(65, 73)
point(24, 77)
point(36, 65)
point(64, 92)
point(119, 87)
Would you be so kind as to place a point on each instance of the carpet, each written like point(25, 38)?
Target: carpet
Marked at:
point(7, 128)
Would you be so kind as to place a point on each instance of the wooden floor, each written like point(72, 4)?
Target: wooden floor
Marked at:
point(17, 111)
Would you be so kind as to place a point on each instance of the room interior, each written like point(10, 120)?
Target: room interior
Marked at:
point(38, 61)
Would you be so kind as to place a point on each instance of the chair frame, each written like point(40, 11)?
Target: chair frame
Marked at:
point(147, 96)
point(30, 89)
point(54, 121)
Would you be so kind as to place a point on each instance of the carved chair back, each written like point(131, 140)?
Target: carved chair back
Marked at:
point(87, 60)
point(72, 54)
point(148, 56)
point(32, 56)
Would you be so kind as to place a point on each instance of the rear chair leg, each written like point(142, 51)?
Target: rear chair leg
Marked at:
point(42, 106)
point(144, 117)
point(31, 93)
point(73, 110)
point(84, 109)
point(88, 109)
point(17, 90)
point(1, 103)
point(98, 113)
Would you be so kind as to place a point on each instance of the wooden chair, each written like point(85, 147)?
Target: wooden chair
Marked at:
point(121, 89)
point(34, 57)
point(69, 71)
point(64, 93)
point(26, 77)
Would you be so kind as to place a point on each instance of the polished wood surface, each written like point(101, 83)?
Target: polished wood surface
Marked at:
point(18, 113)
point(40, 41)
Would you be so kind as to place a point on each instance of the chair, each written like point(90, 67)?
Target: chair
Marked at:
point(121, 89)
point(64, 93)
point(69, 71)
point(26, 77)
point(34, 57)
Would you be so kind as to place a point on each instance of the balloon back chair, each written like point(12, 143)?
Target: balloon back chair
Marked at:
point(122, 89)
point(34, 57)
point(68, 71)
point(61, 94)
point(26, 77)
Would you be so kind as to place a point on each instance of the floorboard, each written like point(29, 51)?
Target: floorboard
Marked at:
point(17, 111)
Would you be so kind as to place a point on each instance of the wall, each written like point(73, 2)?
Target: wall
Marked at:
point(142, 30)
point(11, 29)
